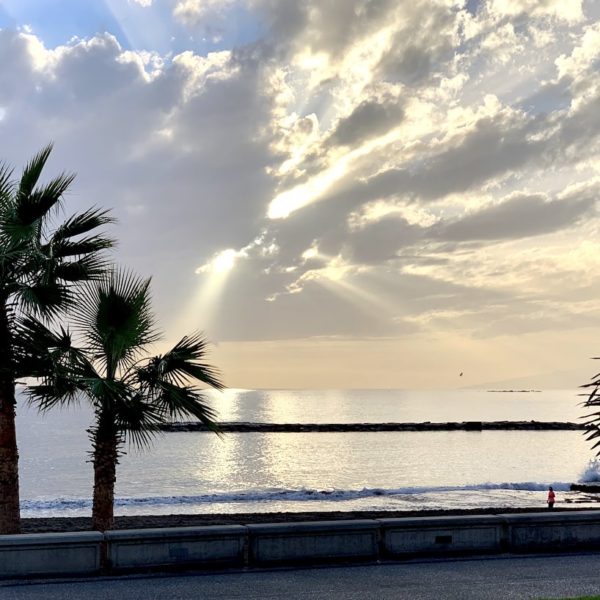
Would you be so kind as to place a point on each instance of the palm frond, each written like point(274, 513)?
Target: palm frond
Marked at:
point(25, 211)
point(36, 205)
point(7, 186)
point(60, 390)
point(45, 299)
point(33, 170)
point(13, 230)
point(138, 419)
point(184, 362)
point(115, 317)
point(79, 224)
point(37, 337)
point(86, 268)
point(50, 357)
point(13, 259)
point(37, 269)
point(185, 401)
point(66, 248)
point(592, 420)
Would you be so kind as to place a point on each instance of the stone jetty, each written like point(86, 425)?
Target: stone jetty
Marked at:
point(246, 427)
point(592, 488)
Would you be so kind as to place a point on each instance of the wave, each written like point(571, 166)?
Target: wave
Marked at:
point(282, 495)
point(591, 473)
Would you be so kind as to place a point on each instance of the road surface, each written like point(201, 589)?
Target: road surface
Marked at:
point(502, 578)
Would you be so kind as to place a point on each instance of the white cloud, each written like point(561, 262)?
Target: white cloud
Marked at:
point(192, 12)
point(584, 55)
point(569, 10)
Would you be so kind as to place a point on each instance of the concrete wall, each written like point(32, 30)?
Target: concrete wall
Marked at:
point(325, 541)
point(281, 543)
point(50, 554)
point(442, 535)
point(556, 531)
point(178, 546)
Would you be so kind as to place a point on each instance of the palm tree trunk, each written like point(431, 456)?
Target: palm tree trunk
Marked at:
point(9, 455)
point(105, 445)
point(9, 462)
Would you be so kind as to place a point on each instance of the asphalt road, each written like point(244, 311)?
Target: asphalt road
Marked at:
point(502, 578)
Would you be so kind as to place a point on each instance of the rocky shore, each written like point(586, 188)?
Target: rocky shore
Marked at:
point(592, 488)
point(245, 427)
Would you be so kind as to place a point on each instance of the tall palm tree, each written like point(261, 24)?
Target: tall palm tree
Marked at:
point(131, 394)
point(40, 262)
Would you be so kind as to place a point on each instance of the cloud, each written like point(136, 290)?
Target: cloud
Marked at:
point(324, 25)
point(569, 11)
point(369, 119)
point(381, 241)
point(416, 53)
point(518, 217)
point(191, 12)
point(491, 147)
point(439, 161)
point(583, 56)
point(163, 139)
point(20, 52)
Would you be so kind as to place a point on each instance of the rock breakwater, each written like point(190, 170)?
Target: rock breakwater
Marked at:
point(246, 427)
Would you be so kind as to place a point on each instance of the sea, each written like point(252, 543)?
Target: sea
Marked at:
point(200, 472)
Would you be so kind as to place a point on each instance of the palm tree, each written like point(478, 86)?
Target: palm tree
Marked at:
point(40, 262)
point(131, 394)
point(592, 425)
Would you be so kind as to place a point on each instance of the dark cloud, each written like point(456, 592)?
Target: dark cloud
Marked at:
point(578, 131)
point(409, 67)
point(90, 72)
point(495, 146)
point(521, 216)
point(417, 53)
point(323, 25)
point(369, 119)
point(380, 242)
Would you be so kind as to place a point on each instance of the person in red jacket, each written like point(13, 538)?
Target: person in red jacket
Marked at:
point(551, 497)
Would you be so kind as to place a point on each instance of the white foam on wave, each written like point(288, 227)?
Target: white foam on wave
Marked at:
point(591, 473)
point(298, 495)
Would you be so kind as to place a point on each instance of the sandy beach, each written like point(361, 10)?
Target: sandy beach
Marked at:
point(64, 524)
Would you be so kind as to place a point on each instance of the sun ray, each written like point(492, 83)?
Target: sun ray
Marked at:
point(142, 27)
point(203, 304)
point(289, 201)
point(339, 278)
point(368, 301)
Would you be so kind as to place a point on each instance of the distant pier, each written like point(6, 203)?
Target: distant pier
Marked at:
point(246, 427)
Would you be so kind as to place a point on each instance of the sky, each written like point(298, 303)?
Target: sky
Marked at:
point(339, 193)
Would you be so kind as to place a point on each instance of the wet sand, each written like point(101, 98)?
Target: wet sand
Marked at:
point(66, 524)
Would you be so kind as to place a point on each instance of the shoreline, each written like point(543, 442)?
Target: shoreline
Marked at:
point(74, 524)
